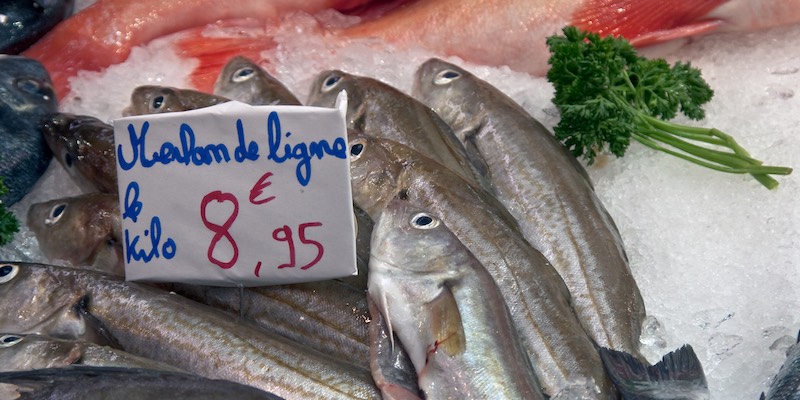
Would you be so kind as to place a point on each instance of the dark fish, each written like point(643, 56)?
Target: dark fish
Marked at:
point(84, 146)
point(23, 22)
point(101, 383)
point(377, 109)
point(166, 327)
point(162, 99)
point(26, 96)
point(786, 385)
point(243, 80)
point(550, 196)
point(84, 230)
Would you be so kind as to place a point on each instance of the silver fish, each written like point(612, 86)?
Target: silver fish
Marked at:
point(560, 351)
point(786, 384)
point(446, 310)
point(243, 80)
point(84, 146)
point(153, 323)
point(377, 109)
point(100, 383)
point(149, 99)
point(24, 352)
point(84, 230)
point(550, 196)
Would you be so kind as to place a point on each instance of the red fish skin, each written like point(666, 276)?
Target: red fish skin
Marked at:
point(104, 33)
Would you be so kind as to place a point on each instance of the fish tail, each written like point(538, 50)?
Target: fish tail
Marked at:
point(679, 374)
point(647, 22)
point(215, 50)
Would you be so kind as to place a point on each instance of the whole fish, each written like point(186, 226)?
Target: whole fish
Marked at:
point(25, 21)
point(84, 146)
point(26, 352)
point(26, 96)
point(328, 316)
point(562, 354)
point(153, 323)
point(100, 383)
point(786, 384)
point(550, 196)
point(377, 109)
point(150, 99)
point(446, 310)
point(84, 230)
point(243, 80)
point(491, 32)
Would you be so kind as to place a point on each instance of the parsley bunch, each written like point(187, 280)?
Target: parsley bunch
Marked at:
point(9, 225)
point(608, 94)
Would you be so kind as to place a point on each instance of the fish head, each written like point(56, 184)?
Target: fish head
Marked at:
point(25, 87)
point(446, 88)
point(77, 229)
point(149, 99)
point(326, 88)
point(240, 78)
point(20, 352)
point(83, 145)
point(374, 173)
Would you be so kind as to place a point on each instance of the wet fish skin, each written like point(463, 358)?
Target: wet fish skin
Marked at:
point(201, 340)
point(559, 349)
point(786, 384)
point(26, 21)
point(150, 99)
point(378, 109)
point(243, 80)
point(549, 194)
point(437, 297)
point(84, 230)
point(102, 383)
point(84, 146)
point(26, 96)
point(25, 352)
point(328, 316)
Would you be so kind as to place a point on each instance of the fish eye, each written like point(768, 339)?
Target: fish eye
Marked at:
point(243, 74)
point(157, 102)
point(424, 221)
point(55, 213)
point(9, 340)
point(446, 76)
point(28, 85)
point(8, 272)
point(356, 149)
point(330, 83)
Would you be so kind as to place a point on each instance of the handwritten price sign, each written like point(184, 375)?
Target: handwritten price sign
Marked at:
point(236, 195)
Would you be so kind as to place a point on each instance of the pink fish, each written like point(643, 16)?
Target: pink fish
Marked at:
point(491, 32)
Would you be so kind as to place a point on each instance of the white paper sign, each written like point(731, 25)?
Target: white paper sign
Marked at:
point(236, 195)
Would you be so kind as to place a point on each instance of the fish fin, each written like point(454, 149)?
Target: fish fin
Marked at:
point(391, 366)
point(647, 22)
point(213, 46)
point(679, 374)
point(446, 324)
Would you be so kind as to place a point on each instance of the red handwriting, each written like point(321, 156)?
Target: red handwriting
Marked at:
point(220, 231)
point(285, 233)
point(258, 189)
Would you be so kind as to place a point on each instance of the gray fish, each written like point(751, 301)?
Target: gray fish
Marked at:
point(446, 310)
point(550, 196)
point(25, 21)
point(786, 385)
point(377, 109)
point(328, 316)
point(390, 363)
point(84, 146)
point(25, 352)
point(26, 96)
point(104, 383)
point(562, 354)
point(84, 230)
point(153, 323)
point(150, 99)
point(243, 80)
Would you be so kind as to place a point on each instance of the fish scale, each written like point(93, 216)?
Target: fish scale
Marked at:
point(167, 327)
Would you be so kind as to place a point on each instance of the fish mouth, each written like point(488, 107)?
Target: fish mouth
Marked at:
point(96, 330)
